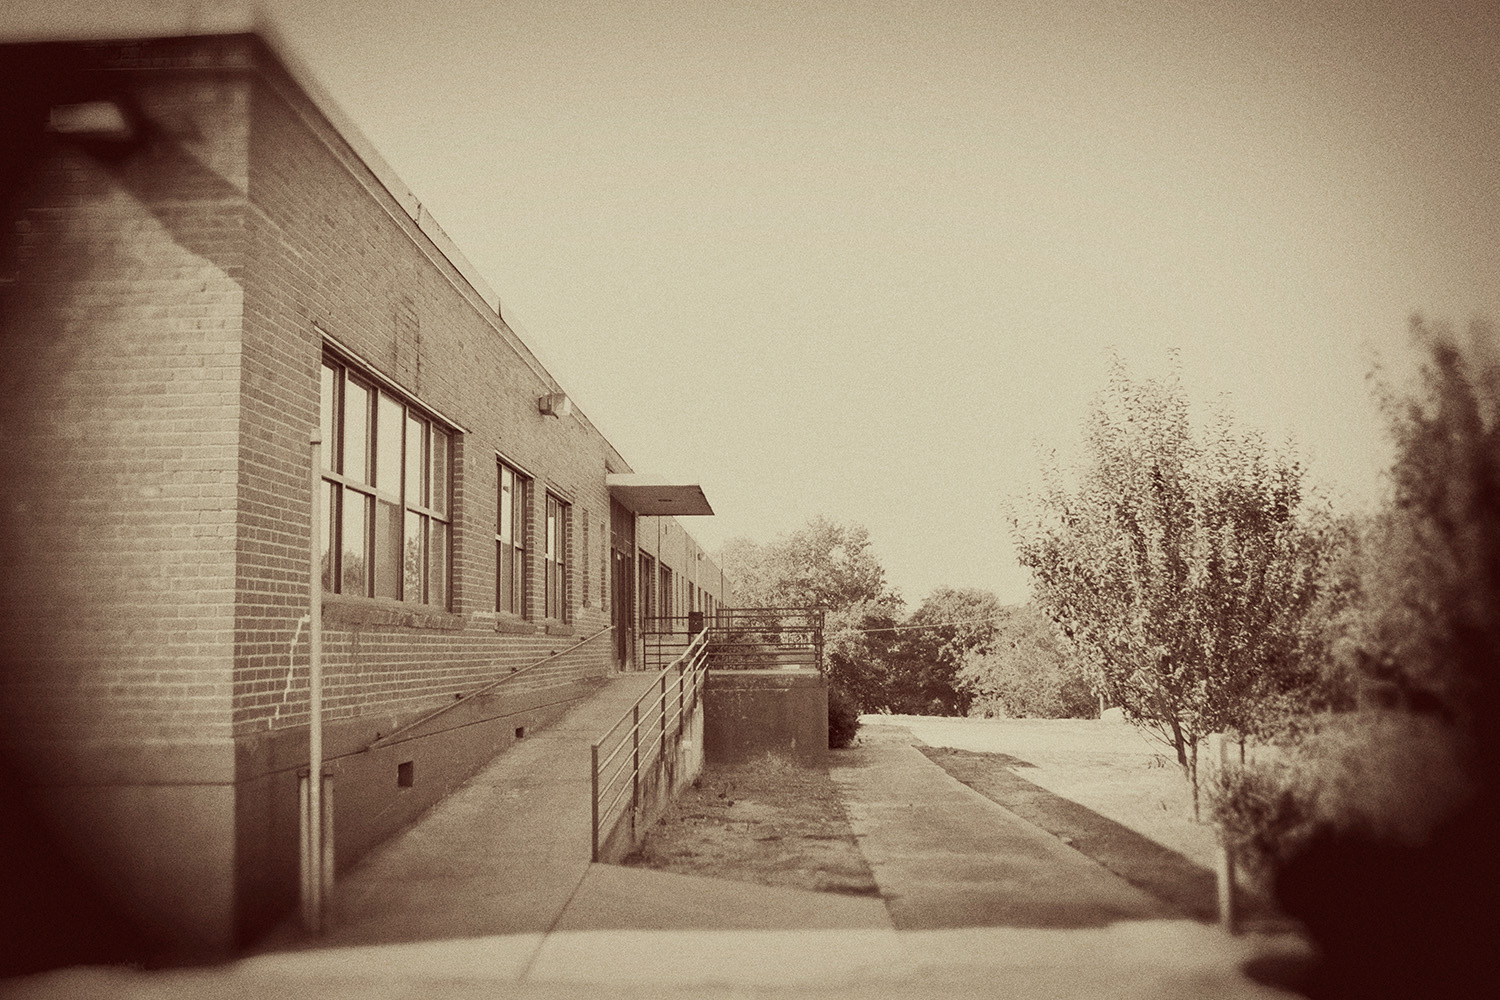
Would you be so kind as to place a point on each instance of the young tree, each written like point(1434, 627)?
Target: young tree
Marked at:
point(1184, 574)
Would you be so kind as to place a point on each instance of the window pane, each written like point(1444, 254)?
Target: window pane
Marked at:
point(325, 529)
point(437, 565)
point(518, 513)
point(439, 481)
point(501, 577)
point(416, 435)
point(415, 561)
point(327, 401)
point(389, 423)
point(356, 431)
point(518, 581)
point(355, 577)
point(507, 487)
point(387, 549)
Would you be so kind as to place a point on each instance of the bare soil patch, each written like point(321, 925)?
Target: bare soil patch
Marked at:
point(768, 821)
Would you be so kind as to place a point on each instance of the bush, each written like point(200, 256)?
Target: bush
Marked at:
point(843, 718)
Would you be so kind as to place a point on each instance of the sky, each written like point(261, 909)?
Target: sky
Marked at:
point(869, 259)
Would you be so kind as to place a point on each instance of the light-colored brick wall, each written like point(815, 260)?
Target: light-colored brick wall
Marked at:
point(121, 403)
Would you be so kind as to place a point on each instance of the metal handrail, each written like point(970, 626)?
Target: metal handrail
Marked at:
point(450, 706)
point(690, 670)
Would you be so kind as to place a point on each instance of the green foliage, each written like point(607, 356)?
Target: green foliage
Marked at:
point(1428, 636)
point(830, 566)
point(924, 657)
point(1189, 576)
point(1024, 674)
point(843, 717)
point(823, 565)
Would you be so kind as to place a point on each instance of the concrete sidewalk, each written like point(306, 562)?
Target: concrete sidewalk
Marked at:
point(492, 894)
point(946, 856)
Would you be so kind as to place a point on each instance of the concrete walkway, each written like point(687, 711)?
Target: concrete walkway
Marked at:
point(946, 856)
point(492, 894)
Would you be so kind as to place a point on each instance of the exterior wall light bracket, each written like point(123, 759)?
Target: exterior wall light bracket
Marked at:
point(555, 404)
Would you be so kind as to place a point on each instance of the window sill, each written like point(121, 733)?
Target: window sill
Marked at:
point(560, 628)
point(512, 625)
point(340, 610)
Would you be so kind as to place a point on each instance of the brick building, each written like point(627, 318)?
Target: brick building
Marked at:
point(203, 266)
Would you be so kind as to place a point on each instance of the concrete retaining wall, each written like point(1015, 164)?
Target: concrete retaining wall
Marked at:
point(750, 712)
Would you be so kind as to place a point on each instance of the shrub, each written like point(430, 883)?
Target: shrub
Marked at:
point(843, 717)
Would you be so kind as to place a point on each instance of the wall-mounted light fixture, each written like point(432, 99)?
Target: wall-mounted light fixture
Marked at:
point(555, 404)
point(91, 120)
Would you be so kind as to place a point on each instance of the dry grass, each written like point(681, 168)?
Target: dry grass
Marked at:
point(766, 820)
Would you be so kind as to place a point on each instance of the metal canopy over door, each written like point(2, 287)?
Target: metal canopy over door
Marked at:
point(621, 581)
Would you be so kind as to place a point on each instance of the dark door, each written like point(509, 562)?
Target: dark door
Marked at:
point(621, 605)
point(622, 582)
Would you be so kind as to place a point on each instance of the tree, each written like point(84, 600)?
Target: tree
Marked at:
point(830, 566)
point(924, 654)
point(1394, 880)
point(1185, 575)
point(823, 564)
point(1025, 672)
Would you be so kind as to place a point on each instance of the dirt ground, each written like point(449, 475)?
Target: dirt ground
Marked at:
point(768, 821)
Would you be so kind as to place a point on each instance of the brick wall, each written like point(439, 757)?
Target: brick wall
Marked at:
point(166, 305)
point(120, 399)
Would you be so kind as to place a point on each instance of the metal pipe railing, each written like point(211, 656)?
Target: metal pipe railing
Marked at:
point(450, 706)
point(611, 768)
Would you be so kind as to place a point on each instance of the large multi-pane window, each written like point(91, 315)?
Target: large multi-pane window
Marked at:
point(387, 476)
point(510, 542)
point(556, 555)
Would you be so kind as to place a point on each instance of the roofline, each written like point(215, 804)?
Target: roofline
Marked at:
point(251, 22)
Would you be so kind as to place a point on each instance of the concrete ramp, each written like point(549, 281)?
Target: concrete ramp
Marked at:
point(508, 854)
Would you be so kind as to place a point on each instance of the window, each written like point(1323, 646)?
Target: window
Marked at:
point(510, 541)
point(556, 556)
point(666, 595)
point(648, 591)
point(387, 472)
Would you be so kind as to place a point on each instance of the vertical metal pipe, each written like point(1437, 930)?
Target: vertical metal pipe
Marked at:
point(594, 755)
point(325, 895)
point(1224, 869)
point(304, 843)
point(314, 814)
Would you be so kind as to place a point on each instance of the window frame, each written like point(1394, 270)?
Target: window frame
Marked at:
point(384, 493)
point(555, 562)
point(520, 524)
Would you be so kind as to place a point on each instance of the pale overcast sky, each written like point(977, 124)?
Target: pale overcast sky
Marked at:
point(866, 257)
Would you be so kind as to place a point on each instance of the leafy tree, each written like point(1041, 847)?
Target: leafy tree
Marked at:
point(1394, 880)
point(823, 564)
point(826, 565)
point(1025, 672)
point(924, 655)
point(1428, 637)
point(1186, 575)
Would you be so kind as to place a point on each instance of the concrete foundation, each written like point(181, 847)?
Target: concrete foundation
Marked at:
point(751, 712)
